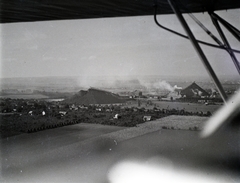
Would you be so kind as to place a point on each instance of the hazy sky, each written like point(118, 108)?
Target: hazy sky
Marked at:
point(110, 46)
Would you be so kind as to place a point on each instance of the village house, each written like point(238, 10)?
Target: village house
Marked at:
point(147, 118)
point(117, 116)
point(62, 113)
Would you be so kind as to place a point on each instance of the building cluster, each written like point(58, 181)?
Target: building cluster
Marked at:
point(192, 93)
point(29, 106)
point(43, 108)
point(35, 115)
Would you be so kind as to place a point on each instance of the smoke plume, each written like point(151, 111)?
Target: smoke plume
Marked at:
point(163, 85)
point(159, 85)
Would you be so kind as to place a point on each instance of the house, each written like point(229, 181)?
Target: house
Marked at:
point(135, 109)
point(117, 116)
point(83, 107)
point(62, 113)
point(147, 118)
point(99, 109)
point(73, 107)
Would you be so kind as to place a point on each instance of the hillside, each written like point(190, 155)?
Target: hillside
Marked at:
point(94, 96)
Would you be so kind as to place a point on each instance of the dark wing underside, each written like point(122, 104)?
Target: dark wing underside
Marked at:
point(40, 10)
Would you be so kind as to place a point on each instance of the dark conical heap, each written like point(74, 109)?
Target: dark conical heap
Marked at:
point(95, 96)
point(192, 89)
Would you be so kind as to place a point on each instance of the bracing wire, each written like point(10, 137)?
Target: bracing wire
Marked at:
point(206, 30)
point(220, 46)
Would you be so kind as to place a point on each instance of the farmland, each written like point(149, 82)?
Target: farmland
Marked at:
point(27, 116)
point(36, 105)
point(190, 107)
point(24, 96)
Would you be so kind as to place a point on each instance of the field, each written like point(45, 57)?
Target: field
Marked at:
point(189, 107)
point(181, 122)
point(25, 96)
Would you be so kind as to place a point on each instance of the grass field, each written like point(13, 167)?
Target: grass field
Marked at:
point(181, 122)
point(25, 96)
point(189, 107)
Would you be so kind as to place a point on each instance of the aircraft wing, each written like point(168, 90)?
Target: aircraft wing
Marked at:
point(40, 10)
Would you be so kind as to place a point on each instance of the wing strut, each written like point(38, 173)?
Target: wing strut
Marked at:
point(235, 32)
point(228, 47)
point(219, 46)
point(198, 49)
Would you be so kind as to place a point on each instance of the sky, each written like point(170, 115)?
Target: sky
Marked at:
point(123, 46)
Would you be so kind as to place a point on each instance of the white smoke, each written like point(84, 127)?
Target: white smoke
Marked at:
point(177, 87)
point(91, 81)
point(159, 85)
point(107, 81)
point(200, 93)
point(197, 92)
point(163, 85)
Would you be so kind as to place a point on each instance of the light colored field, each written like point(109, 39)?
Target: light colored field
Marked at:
point(181, 122)
point(73, 153)
point(177, 122)
point(189, 107)
point(26, 96)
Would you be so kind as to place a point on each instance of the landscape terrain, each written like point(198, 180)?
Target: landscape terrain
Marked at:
point(99, 125)
point(34, 104)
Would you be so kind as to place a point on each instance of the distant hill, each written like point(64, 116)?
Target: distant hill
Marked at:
point(95, 96)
